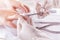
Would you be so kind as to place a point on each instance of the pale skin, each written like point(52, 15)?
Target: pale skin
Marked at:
point(6, 14)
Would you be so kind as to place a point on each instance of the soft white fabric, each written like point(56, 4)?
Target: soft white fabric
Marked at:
point(7, 33)
point(28, 32)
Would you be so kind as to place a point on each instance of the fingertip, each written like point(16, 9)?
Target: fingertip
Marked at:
point(27, 10)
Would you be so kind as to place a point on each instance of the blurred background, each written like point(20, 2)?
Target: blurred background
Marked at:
point(52, 17)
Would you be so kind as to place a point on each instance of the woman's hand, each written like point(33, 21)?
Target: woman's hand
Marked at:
point(10, 15)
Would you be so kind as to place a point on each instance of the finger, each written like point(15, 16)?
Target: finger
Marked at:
point(10, 24)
